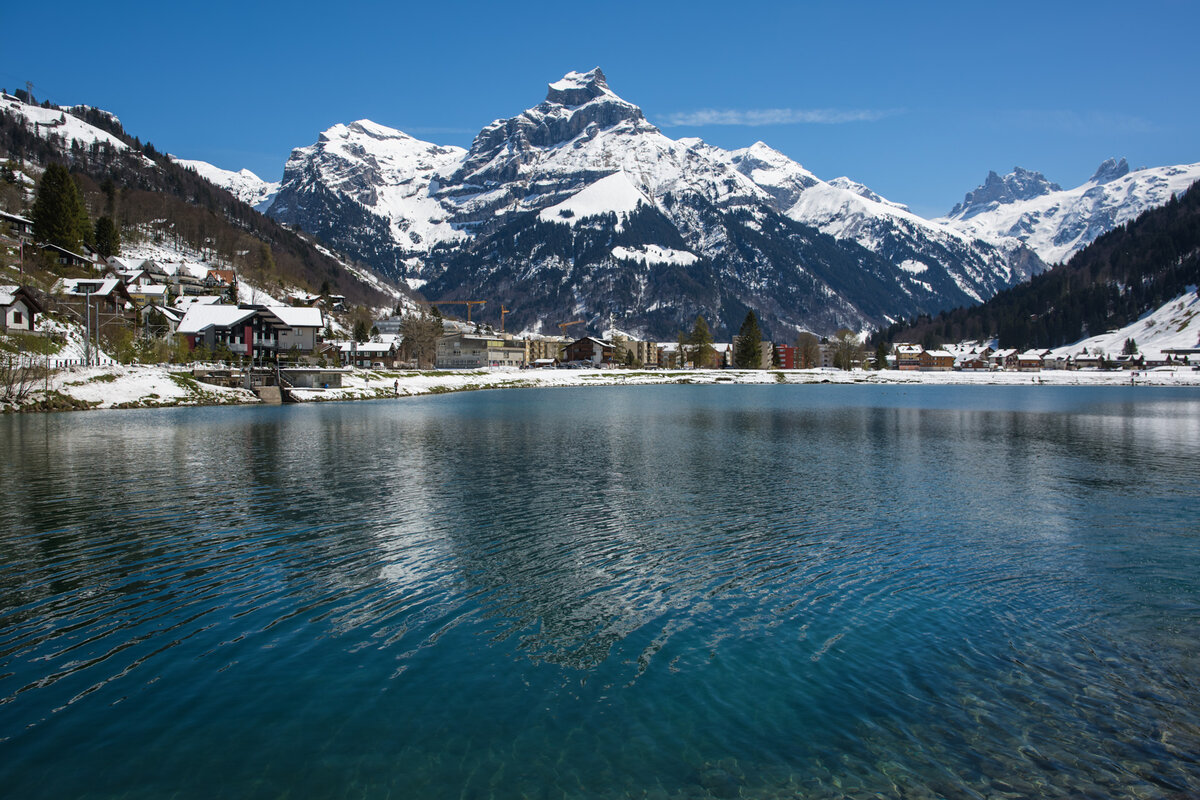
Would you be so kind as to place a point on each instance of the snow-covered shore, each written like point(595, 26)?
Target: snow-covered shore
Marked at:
point(158, 386)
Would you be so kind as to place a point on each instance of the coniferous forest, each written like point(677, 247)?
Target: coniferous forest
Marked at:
point(1124, 274)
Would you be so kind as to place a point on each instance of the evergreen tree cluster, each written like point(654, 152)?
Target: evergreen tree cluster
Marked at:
point(1122, 275)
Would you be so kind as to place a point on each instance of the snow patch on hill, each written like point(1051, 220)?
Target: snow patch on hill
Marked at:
point(653, 254)
point(613, 194)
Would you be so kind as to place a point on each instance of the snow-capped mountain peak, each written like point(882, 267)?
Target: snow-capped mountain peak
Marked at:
point(579, 88)
point(384, 172)
point(1110, 170)
point(1020, 184)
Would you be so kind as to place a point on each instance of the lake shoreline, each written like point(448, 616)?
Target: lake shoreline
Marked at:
point(143, 386)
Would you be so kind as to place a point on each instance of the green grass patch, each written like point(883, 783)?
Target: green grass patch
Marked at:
point(185, 381)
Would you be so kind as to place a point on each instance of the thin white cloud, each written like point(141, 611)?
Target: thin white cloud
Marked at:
point(1079, 122)
point(773, 116)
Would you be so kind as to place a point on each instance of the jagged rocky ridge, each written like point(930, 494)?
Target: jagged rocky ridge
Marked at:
point(1057, 223)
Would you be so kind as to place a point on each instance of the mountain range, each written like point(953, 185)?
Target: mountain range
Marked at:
point(579, 208)
point(1057, 223)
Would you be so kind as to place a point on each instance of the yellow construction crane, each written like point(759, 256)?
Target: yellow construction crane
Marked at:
point(467, 303)
point(503, 311)
point(562, 326)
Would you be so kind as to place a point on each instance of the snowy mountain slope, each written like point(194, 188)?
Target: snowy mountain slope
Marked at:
point(57, 122)
point(1056, 222)
point(366, 188)
point(243, 184)
point(845, 209)
point(1175, 324)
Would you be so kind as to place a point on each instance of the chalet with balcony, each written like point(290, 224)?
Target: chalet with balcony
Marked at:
point(254, 332)
point(936, 361)
point(589, 348)
point(1029, 361)
point(908, 356)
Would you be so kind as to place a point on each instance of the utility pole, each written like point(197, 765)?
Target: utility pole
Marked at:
point(29, 91)
point(87, 328)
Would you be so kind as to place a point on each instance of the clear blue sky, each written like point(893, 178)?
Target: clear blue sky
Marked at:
point(918, 100)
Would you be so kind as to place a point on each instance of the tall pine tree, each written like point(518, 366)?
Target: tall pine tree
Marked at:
point(747, 353)
point(59, 215)
point(701, 344)
point(108, 237)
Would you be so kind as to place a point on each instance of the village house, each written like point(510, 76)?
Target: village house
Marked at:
point(18, 310)
point(473, 351)
point(64, 257)
point(787, 356)
point(105, 299)
point(1005, 359)
point(383, 352)
point(255, 332)
point(908, 356)
point(1029, 361)
point(160, 320)
point(589, 348)
point(972, 362)
point(20, 226)
point(148, 294)
point(936, 361)
point(220, 279)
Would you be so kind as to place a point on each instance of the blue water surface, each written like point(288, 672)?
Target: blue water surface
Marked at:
point(670, 592)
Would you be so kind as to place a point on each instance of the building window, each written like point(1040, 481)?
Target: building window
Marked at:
point(17, 320)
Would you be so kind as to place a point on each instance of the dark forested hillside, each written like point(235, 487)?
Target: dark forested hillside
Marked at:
point(1123, 274)
point(144, 189)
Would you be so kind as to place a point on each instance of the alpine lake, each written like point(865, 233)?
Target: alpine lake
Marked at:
point(630, 592)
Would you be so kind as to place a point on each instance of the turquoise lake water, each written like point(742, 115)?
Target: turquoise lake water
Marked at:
point(668, 592)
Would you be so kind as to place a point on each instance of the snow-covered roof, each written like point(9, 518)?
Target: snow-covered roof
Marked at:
point(173, 313)
point(940, 353)
point(97, 287)
point(298, 317)
point(15, 218)
point(200, 317)
point(187, 301)
point(366, 347)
